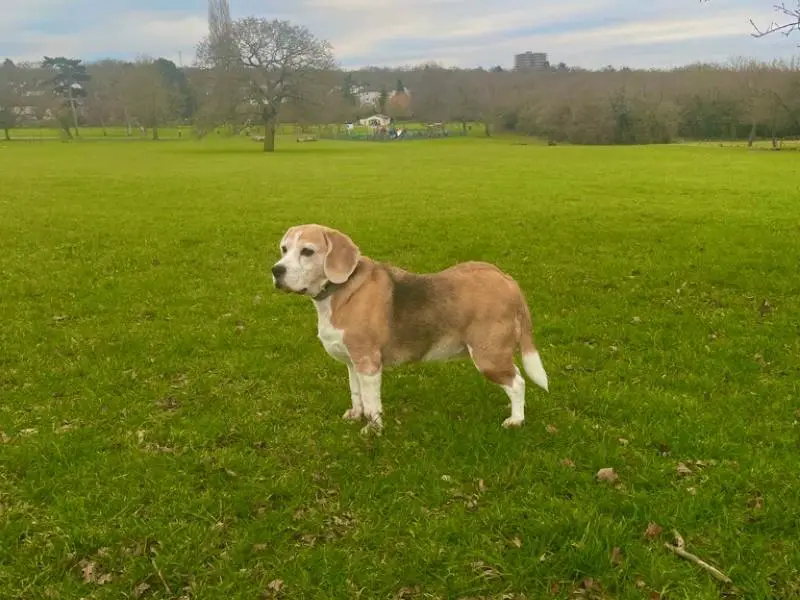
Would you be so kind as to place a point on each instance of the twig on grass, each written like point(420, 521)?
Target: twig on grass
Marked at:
point(160, 575)
point(678, 548)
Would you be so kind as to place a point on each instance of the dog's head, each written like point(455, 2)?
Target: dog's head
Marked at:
point(311, 256)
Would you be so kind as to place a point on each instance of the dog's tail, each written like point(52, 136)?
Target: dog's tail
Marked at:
point(531, 361)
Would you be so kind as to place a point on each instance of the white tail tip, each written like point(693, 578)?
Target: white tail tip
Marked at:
point(532, 363)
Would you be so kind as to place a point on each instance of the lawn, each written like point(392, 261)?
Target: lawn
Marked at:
point(170, 426)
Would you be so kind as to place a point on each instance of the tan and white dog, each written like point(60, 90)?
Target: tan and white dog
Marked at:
point(372, 315)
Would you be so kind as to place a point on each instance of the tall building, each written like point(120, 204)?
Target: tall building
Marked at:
point(536, 61)
point(219, 18)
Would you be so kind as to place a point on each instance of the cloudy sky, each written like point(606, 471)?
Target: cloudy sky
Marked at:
point(587, 33)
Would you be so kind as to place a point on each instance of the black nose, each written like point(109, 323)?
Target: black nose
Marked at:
point(278, 270)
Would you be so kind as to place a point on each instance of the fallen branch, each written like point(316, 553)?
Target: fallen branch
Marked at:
point(678, 548)
point(160, 575)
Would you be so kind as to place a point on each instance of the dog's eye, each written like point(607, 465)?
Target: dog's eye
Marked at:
point(306, 252)
point(283, 249)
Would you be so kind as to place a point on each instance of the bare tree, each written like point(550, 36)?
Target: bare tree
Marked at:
point(220, 83)
point(10, 97)
point(789, 21)
point(280, 60)
point(150, 98)
point(105, 102)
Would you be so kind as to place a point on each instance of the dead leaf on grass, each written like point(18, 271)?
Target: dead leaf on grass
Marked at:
point(485, 571)
point(4, 439)
point(406, 593)
point(616, 557)
point(683, 470)
point(259, 547)
point(551, 429)
point(517, 542)
point(274, 589)
point(140, 589)
point(608, 474)
point(765, 308)
point(623, 441)
point(692, 491)
point(168, 403)
point(640, 583)
point(481, 485)
point(568, 462)
point(92, 573)
point(756, 501)
point(653, 531)
point(590, 589)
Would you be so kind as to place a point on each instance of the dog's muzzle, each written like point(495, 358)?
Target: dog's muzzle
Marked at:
point(278, 271)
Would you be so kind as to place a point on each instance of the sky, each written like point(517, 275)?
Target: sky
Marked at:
point(395, 33)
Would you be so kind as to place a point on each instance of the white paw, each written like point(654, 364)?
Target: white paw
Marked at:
point(353, 414)
point(511, 422)
point(375, 425)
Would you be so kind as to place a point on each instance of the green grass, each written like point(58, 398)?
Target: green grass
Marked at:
point(117, 133)
point(171, 422)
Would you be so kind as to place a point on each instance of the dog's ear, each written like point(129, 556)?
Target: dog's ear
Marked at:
point(342, 257)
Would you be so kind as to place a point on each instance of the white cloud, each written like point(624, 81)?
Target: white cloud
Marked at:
point(395, 32)
point(131, 34)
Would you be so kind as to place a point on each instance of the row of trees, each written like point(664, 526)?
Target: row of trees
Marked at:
point(259, 71)
point(143, 94)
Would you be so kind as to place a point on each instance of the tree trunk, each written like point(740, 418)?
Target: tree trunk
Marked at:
point(269, 135)
point(774, 134)
point(8, 135)
point(155, 132)
point(464, 127)
point(487, 128)
point(752, 137)
point(74, 111)
point(129, 129)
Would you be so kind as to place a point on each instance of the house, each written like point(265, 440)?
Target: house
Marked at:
point(373, 97)
point(376, 121)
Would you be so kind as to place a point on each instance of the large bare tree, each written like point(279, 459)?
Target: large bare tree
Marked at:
point(280, 60)
point(151, 98)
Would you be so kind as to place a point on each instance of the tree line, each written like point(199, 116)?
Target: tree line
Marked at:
point(263, 72)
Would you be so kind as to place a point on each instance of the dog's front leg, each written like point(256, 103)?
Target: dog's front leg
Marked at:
point(368, 374)
point(357, 411)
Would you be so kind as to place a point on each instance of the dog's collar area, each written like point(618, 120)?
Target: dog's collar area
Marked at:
point(329, 287)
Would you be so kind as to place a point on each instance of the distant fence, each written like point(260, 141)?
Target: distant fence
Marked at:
point(388, 136)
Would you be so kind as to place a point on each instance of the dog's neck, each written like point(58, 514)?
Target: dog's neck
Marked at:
point(329, 288)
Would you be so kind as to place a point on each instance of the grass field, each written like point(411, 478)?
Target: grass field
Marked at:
point(170, 425)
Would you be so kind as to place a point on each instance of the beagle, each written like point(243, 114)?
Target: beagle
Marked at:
point(373, 315)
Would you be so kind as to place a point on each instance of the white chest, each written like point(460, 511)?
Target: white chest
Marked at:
point(332, 338)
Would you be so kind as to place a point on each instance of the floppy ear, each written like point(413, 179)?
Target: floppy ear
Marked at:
point(342, 257)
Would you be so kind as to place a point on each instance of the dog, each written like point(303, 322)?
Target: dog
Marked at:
point(373, 315)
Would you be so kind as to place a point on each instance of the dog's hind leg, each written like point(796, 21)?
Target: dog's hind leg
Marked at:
point(498, 367)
